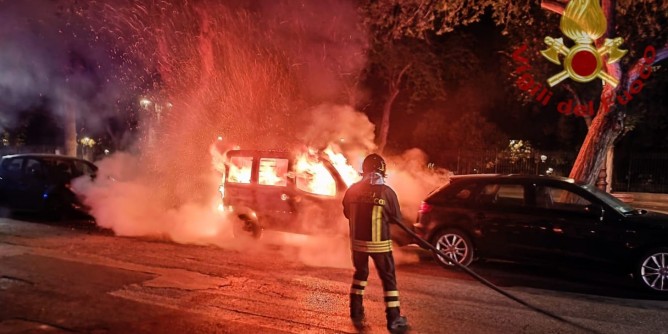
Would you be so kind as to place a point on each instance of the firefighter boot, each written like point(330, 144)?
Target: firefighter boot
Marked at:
point(356, 310)
point(396, 323)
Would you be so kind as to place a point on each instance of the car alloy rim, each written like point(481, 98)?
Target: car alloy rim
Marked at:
point(454, 246)
point(654, 271)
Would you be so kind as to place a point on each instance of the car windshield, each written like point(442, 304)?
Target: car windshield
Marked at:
point(610, 200)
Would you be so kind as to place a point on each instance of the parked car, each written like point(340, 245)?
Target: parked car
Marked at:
point(544, 219)
point(267, 190)
point(40, 183)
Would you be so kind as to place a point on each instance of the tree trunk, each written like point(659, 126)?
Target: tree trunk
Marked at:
point(387, 107)
point(70, 127)
point(604, 129)
point(609, 167)
point(607, 124)
point(385, 121)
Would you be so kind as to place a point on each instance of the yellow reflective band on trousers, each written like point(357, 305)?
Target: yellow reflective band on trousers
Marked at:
point(376, 223)
point(372, 246)
point(392, 293)
point(392, 304)
point(357, 291)
point(360, 283)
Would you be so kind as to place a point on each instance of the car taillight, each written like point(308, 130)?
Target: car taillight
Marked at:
point(425, 207)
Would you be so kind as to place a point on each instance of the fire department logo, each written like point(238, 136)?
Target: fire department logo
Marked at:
point(583, 22)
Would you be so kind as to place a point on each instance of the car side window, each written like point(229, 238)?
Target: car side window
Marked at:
point(239, 169)
point(273, 172)
point(33, 167)
point(12, 165)
point(561, 199)
point(83, 168)
point(63, 170)
point(504, 195)
point(461, 194)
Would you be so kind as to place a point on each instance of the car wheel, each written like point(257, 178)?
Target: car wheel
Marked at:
point(652, 270)
point(456, 245)
point(53, 209)
point(246, 228)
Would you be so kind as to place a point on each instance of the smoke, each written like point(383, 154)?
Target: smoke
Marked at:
point(412, 179)
point(24, 70)
point(268, 75)
point(51, 59)
point(248, 73)
point(342, 124)
point(124, 198)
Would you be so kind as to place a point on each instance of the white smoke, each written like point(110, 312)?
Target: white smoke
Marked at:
point(53, 61)
point(127, 200)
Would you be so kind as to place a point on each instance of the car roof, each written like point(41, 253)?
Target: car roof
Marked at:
point(42, 155)
point(522, 177)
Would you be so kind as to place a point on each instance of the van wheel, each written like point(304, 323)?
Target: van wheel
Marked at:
point(246, 228)
point(456, 245)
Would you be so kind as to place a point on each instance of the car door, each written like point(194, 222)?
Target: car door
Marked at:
point(274, 193)
point(576, 223)
point(10, 178)
point(29, 193)
point(506, 223)
point(318, 194)
point(238, 189)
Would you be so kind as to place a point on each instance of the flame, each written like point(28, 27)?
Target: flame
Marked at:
point(313, 176)
point(583, 21)
point(349, 174)
point(273, 172)
point(309, 172)
point(239, 170)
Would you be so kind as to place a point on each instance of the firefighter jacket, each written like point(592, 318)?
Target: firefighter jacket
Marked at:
point(371, 206)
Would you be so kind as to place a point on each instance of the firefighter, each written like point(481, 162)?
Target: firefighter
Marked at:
point(370, 207)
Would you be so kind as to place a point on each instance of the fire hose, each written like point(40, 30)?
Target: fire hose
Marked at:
point(492, 285)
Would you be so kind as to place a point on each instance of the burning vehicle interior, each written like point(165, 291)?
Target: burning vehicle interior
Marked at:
point(282, 191)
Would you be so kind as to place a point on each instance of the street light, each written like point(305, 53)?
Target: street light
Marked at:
point(144, 102)
point(86, 142)
point(540, 163)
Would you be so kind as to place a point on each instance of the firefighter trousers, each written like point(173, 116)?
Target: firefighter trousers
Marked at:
point(384, 263)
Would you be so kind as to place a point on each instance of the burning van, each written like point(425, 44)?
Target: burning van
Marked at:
point(282, 191)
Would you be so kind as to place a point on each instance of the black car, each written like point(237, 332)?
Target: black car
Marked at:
point(276, 190)
point(40, 183)
point(544, 219)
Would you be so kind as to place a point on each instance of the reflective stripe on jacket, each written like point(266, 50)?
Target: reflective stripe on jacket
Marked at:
point(370, 207)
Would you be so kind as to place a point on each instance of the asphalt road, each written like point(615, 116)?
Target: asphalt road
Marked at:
point(61, 279)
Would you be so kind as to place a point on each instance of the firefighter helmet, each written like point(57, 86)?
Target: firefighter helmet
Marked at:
point(373, 163)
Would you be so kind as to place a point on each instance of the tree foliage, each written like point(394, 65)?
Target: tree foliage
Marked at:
point(420, 18)
point(639, 23)
point(418, 66)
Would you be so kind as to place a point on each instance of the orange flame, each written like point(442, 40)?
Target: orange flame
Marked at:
point(273, 172)
point(309, 173)
point(313, 176)
point(239, 170)
point(349, 174)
